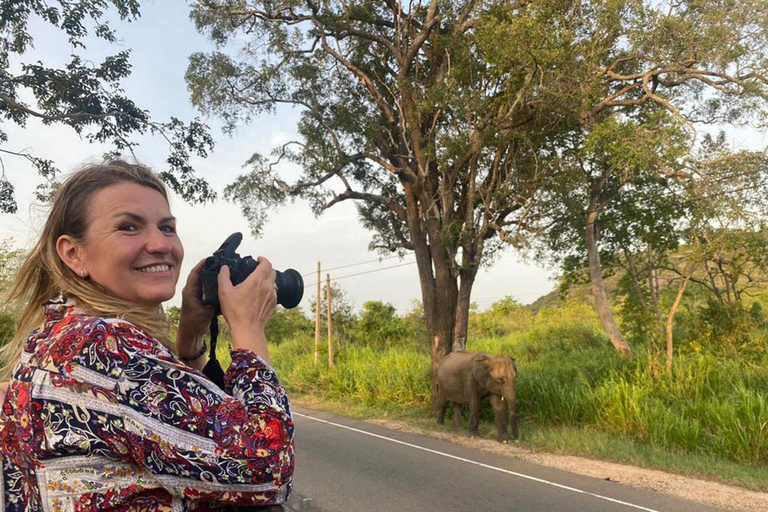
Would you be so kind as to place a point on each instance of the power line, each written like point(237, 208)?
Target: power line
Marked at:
point(353, 265)
point(366, 272)
point(375, 270)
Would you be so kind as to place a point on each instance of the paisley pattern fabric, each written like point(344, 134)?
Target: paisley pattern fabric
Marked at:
point(101, 417)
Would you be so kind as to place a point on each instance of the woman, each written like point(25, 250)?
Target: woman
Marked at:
point(103, 412)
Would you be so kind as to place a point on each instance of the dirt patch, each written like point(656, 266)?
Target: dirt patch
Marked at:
point(701, 491)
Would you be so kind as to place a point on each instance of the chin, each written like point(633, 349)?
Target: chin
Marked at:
point(156, 299)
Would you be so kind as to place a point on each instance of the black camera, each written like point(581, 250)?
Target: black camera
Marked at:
point(290, 285)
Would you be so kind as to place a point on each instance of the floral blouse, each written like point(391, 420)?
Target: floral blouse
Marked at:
point(101, 417)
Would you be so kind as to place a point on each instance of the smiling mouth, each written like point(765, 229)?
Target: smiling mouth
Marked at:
point(154, 268)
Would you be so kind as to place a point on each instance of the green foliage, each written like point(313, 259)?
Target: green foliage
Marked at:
point(361, 373)
point(637, 319)
point(10, 262)
point(573, 324)
point(173, 315)
point(399, 106)
point(288, 324)
point(502, 318)
point(84, 95)
point(7, 328)
point(570, 377)
point(416, 325)
point(727, 330)
point(378, 323)
point(705, 405)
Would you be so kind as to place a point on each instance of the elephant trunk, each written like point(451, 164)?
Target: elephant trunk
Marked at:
point(508, 398)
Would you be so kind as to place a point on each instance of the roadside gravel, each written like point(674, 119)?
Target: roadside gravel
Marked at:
point(702, 491)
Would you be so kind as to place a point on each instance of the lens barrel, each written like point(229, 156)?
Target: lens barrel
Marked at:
point(290, 288)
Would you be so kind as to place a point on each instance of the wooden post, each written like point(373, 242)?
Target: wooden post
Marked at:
point(330, 316)
point(317, 317)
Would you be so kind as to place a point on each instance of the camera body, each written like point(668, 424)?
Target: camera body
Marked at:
point(290, 285)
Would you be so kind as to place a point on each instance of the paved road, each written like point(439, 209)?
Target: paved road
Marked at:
point(344, 465)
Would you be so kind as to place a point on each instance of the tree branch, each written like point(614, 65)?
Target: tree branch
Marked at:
point(388, 202)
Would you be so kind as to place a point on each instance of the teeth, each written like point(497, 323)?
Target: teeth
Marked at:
point(154, 268)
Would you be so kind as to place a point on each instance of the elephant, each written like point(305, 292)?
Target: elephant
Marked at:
point(468, 377)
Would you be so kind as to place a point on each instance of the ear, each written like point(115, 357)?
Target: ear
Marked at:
point(513, 365)
point(72, 254)
point(480, 368)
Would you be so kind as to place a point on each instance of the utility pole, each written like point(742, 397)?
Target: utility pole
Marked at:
point(317, 317)
point(330, 316)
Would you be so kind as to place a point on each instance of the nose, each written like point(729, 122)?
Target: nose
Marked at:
point(158, 242)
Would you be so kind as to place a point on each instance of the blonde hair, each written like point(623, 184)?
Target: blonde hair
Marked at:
point(43, 276)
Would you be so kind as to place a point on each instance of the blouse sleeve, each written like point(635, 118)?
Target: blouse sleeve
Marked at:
point(198, 442)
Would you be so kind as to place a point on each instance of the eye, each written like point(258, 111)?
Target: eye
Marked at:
point(128, 227)
point(168, 228)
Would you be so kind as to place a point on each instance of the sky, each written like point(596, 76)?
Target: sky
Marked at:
point(161, 40)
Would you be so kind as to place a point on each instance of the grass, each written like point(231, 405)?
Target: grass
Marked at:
point(707, 418)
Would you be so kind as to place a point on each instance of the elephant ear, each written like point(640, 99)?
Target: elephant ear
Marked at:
point(480, 368)
point(513, 364)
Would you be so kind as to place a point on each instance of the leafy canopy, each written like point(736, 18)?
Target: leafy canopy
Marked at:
point(83, 95)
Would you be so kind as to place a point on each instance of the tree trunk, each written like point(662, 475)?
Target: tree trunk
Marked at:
point(441, 325)
point(602, 304)
point(671, 317)
point(438, 287)
point(462, 308)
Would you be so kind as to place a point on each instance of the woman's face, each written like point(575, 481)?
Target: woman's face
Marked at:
point(131, 247)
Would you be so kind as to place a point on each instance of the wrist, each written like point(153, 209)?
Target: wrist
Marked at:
point(195, 356)
point(190, 348)
point(253, 339)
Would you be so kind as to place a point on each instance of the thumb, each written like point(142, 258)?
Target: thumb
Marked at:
point(224, 279)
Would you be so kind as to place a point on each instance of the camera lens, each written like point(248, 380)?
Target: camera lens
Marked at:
point(290, 288)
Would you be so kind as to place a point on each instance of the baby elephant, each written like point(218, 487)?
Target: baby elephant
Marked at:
point(468, 377)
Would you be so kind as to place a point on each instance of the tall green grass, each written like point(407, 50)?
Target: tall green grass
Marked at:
point(569, 378)
point(395, 375)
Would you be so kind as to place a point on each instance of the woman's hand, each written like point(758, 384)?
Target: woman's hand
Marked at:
point(248, 306)
point(194, 319)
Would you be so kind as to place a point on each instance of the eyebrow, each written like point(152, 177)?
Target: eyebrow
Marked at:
point(139, 218)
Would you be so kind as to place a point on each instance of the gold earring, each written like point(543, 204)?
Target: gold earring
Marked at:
point(82, 273)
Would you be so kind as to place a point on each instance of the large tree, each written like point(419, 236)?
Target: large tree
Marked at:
point(631, 76)
point(83, 95)
point(400, 111)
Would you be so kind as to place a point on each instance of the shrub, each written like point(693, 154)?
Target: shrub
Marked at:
point(7, 328)
point(379, 324)
point(502, 318)
point(289, 323)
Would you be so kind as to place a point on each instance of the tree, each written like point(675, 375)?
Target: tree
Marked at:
point(401, 112)
point(10, 261)
point(631, 76)
point(729, 219)
point(82, 95)
point(379, 323)
point(289, 323)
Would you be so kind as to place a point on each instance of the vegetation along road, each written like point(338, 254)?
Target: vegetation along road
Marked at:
point(345, 465)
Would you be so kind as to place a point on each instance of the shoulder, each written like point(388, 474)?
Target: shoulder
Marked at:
point(90, 340)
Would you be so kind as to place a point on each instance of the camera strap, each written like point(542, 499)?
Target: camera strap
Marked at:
point(212, 368)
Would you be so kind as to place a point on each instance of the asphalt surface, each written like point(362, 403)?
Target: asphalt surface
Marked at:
point(345, 465)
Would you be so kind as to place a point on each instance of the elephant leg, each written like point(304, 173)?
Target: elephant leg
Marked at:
point(501, 421)
point(442, 405)
point(474, 416)
point(513, 418)
point(458, 410)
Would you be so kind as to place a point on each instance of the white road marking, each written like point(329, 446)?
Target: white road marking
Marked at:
point(487, 466)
